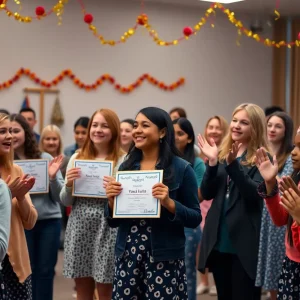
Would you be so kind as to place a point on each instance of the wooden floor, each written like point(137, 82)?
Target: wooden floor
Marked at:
point(64, 288)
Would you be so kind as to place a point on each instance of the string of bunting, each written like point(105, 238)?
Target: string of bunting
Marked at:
point(40, 11)
point(143, 21)
point(89, 87)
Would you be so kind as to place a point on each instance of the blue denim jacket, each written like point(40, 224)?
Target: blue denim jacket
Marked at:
point(167, 236)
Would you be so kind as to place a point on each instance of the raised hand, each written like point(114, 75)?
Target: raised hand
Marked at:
point(113, 189)
point(54, 166)
point(232, 155)
point(290, 200)
point(71, 175)
point(210, 150)
point(267, 169)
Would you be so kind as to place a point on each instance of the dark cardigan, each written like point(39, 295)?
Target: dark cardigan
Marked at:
point(243, 215)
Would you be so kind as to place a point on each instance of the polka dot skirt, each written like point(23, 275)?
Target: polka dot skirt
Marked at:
point(137, 276)
point(13, 289)
point(3, 295)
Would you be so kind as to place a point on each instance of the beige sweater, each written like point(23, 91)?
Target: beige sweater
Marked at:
point(17, 246)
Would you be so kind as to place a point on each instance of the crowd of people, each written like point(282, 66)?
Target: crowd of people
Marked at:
point(230, 206)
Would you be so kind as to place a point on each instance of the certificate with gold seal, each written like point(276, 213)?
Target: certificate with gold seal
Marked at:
point(136, 200)
point(90, 183)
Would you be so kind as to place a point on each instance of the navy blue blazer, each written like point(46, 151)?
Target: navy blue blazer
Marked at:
point(167, 235)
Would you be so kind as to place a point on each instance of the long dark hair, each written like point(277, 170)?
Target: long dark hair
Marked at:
point(167, 148)
point(287, 142)
point(31, 149)
point(189, 151)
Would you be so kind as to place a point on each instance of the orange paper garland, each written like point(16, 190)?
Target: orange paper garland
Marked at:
point(89, 87)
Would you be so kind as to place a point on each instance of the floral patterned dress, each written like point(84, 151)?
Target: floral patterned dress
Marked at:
point(271, 245)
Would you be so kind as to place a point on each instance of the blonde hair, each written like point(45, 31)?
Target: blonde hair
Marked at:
point(88, 150)
point(223, 126)
point(48, 129)
point(6, 161)
point(258, 133)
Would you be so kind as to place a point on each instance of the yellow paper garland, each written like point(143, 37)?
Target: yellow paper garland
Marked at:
point(58, 9)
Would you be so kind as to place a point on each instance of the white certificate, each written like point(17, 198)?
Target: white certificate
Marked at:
point(90, 183)
point(37, 168)
point(136, 200)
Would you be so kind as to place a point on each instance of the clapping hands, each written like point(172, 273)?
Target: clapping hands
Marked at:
point(210, 150)
point(54, 166)
point(290, 198)
point(232, 155)
point(20, 186)
point(267, 169)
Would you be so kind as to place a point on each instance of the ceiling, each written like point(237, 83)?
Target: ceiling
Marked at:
point(286, 7)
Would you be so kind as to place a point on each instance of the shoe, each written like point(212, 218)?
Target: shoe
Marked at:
point(202, 289)
point(213, 291)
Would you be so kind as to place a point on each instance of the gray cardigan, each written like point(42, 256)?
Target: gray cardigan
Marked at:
point(5, 215)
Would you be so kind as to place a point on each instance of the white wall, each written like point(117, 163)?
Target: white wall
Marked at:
point(219, 75)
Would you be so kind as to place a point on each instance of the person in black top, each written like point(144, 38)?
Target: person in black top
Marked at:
point(230, 240)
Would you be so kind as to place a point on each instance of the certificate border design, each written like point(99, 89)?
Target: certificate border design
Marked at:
point(155, 215)
point(111, 163)
point(17, 162)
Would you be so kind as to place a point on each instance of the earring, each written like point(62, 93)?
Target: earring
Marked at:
point(160, 140)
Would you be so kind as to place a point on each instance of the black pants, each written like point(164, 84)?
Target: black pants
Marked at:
point(232, 281)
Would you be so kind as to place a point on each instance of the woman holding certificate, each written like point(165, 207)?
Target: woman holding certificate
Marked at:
point(184, 140)
point(16, 264)
point(89, 241)
point(44, 239)
point(150, 252)
point(229, 245)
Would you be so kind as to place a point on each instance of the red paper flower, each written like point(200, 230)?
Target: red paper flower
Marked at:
point(88, 18)
point(187, 31)
point(40, 11)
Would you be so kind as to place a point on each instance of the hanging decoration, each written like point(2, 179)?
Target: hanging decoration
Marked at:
point(57, 116)
point(88, 87)
point(143, 21)
point(40, 12)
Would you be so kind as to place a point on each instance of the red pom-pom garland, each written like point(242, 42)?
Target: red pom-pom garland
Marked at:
point(88, 18)
point(187, 31)
point(40, 11)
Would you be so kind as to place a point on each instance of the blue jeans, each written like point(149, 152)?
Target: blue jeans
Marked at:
point(192, 240)
point(43, 244)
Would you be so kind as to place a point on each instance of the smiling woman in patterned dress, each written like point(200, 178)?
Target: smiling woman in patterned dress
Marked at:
point(271, 241)
point(89, 241)
point(150, 253)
